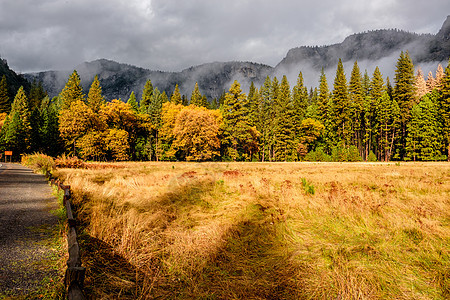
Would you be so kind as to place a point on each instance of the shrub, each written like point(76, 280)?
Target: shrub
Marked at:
point(73, 162)
point(340, 152)
point(372, 157)
point(39, 162)
point(317, 155)
point(309, 188)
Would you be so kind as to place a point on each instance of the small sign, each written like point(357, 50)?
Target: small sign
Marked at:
point(8, 153)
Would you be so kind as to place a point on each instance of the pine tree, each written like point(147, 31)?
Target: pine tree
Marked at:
point(356, 96)
point(322, 100)
point(265, 117)
point(404, 95)
point(133, 103)
point(252, 104)
point(420, 85)
point(431, 83)
point(284, 143)
point(5, 106)
point(444, 108)
point(49, 131)
point(376, 85)
point(371, 126)
point(341, 105)
point(176, 96)
point(164, 97)
point(422, 141)
point(196, 97)
point(71, 92)
point(36, 95)
point(236, 127)
point(366, 84)
point(439, 76)
point(387, 116)
point(389, 88)
point(146, 96)
point(300, 104)
point(17, 137)
point(154, 111)
point(95, 99)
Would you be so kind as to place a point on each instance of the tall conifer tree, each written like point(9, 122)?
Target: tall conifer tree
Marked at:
point(284, 145)
point(5, 106)
point(196, 97)
point(146, 96)
point(133, 103)
point(299, 103)
point(404, 95)
point(265, 117)
point(17, 136)
point(236, 127)
point(95, 99)
point(176, 96)
point(356, 95)
point(71, 92)
point(444, 107)
point(341, 105)
point(322, 100)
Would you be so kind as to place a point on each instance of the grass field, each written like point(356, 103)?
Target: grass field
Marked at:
point(264, 230)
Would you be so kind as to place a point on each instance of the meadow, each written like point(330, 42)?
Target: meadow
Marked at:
point(264, 230)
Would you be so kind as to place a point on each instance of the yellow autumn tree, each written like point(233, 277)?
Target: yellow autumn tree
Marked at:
point(169, 114)
point(196, 133)
point(77, 121)
point(118, 114)
point(117, 143)
point(92, 145)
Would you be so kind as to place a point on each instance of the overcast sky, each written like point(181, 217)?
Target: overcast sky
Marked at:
point(169, 35)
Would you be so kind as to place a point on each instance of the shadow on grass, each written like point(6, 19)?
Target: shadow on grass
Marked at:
point(253, 263)
point(108, 275)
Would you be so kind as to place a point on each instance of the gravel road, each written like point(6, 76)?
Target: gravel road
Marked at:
point(25, 205)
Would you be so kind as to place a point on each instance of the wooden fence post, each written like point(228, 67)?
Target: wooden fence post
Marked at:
point(74, 276)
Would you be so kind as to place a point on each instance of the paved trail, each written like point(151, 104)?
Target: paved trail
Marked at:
point(25, 204)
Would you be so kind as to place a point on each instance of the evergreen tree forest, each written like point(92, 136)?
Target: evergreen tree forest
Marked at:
point(361, 117)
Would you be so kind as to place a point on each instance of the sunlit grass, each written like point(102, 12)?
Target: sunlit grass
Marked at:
point(265, 230)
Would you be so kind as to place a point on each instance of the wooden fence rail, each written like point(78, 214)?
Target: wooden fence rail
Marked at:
point(74, 277)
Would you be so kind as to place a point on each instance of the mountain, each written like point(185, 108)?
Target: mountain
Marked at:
point(374, 48)
point(14, 81)
point(119, 80)
point(378, 47)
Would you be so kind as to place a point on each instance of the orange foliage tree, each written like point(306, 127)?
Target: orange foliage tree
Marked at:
point(196, 133)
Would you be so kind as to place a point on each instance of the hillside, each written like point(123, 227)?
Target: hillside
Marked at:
point(13, 80)
point(119, 80)
point(373, 48)
point(378, 47)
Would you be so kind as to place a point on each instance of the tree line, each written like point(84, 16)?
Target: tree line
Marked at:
point(365, 118)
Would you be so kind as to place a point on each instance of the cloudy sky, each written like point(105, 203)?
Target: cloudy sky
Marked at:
point(170, 35)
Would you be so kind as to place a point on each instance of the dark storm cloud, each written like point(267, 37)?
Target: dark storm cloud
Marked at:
point(172, 35)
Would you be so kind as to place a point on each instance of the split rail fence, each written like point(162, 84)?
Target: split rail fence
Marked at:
point(74, 276)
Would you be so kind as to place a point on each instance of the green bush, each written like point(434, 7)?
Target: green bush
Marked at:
point(308, 187)
point(340, 152)
point(372, 157)
point(39, 162)
point(317, 155)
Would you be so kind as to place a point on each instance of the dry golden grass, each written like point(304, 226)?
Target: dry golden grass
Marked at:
point(255, 230)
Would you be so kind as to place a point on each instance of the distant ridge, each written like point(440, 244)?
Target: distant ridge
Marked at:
point(14, 81)
point(370, 48)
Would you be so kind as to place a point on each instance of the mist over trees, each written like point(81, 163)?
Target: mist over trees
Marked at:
point(360, 117)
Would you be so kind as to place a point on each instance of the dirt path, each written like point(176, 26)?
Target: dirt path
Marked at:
point(25, 205)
